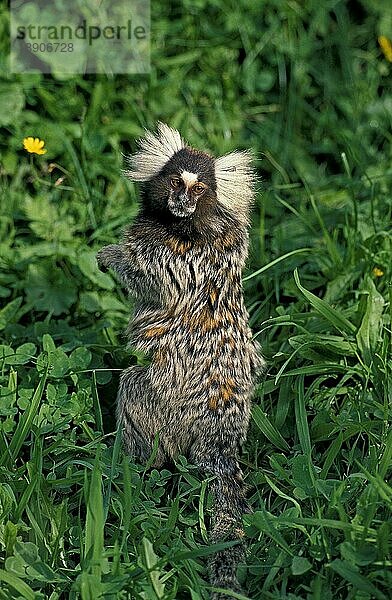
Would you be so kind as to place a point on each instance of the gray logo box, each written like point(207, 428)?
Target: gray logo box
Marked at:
point(81, 36)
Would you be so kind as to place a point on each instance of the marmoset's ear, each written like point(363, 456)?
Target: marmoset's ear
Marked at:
point(156, 149)
point(235, 182)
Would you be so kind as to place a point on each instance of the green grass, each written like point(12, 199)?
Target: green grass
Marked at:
point(306, 86)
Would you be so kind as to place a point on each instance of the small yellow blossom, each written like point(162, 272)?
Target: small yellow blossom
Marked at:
point(386, 47)
point(34, 145)
point(378, 272)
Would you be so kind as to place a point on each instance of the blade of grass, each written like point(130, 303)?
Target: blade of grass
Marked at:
point(266, 523)
point(96, 403)
point(276, 261)
point(203, 528)
point(301, 418)
point(266, 427)
point(113, 469)
point(24, 424)
point(346, 570)
point(35, 473)
point(18, 584)
point(331, 314)
point(94, 529)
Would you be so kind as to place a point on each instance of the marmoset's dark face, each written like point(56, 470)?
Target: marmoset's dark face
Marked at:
point(185, 185)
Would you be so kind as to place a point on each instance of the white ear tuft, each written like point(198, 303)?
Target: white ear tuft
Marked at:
point(156, 149)
point(235, 182)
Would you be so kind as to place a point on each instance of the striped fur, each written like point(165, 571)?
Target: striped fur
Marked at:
point(190, 318)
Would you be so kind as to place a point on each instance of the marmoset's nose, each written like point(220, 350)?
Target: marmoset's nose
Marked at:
point(186, 198)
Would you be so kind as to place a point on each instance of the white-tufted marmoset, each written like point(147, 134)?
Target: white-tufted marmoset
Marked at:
point(181, 261)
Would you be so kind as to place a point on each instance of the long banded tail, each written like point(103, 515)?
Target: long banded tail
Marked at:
point(229, 506)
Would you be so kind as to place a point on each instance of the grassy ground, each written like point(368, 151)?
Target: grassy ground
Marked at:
point(307, 86)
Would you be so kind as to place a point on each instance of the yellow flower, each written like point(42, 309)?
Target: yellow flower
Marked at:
point(378, 272)
point(34, 145)
point(386, 47)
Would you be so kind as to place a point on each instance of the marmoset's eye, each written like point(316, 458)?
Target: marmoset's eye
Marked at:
point(198, 188)
point(175, 182)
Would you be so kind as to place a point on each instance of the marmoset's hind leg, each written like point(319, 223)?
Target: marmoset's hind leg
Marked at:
point(229, 504)
point(137, 415)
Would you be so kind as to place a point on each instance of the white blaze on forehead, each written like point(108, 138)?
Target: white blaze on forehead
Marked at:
point(189, 178)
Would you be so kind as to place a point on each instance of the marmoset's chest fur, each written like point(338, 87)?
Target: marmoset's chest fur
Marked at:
point(195, 328)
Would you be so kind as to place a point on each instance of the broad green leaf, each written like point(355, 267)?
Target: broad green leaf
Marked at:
point(49, 289)
point(47, 221)
point(79, 359)
point(59, 362)
point(10, 534)
point(8, 313)
point(11, 102)
point(29, 349)
point(300, 565)
point(87, 263)
point(365, 555)
point(150, 560)
point(303, 475)
point(6, 354)
point(48, 343)
point(23, 354)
